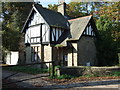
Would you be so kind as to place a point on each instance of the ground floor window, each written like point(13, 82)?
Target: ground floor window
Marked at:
point(35, 53)
point(65, 59)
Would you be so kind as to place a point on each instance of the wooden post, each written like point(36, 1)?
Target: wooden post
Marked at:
point(49, 69)
point(42, 55)
point(42, 47)
point(53, 69)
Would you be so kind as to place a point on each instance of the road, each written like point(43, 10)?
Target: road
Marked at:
point(23, 80)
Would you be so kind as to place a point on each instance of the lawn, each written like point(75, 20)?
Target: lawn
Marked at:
point(27, 69)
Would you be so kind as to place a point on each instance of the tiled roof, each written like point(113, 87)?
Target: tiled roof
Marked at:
point(52, 18)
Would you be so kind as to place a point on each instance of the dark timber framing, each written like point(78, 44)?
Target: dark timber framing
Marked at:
point(87, 31)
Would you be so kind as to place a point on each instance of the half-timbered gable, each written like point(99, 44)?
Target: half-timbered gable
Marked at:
point(37, 30)
point(44, 26)
point(82, 26)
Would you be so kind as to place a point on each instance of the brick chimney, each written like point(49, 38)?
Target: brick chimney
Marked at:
point(62, 7)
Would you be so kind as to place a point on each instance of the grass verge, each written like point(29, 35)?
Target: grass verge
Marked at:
point(26, 69)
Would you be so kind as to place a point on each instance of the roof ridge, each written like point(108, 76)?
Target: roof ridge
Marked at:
point(47, 9)
point(79, 18)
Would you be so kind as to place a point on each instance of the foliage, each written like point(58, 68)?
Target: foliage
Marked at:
point(115, 73)
point(108, 25)
point(53, 7)
point(78, 9)
point(27, 69)
point(13, 17)
point(75, 9)
point(58, 45)
point(55, 71)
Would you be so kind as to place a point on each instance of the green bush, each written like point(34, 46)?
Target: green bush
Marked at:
point(51, 70)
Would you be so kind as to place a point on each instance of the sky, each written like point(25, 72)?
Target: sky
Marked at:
point(46, 2)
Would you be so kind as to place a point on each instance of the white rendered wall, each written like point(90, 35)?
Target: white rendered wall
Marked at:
point(12, 58)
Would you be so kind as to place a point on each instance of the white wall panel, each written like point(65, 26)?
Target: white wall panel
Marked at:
point(57, 34)
point(27, 36)
point(53, 37)
point(38, 39)
point(60, 32)
point(35, 31)
point(87, 32)
point(47, 33)
point(90, 30)
point(43, 33)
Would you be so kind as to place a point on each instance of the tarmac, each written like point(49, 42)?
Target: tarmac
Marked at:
point(23, 80)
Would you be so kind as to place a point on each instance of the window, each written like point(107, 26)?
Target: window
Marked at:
point(66, 57)
point(35, 53)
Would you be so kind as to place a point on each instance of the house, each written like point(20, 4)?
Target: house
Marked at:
point(52, 36)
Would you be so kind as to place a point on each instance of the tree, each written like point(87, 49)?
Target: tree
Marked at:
point(53, 7)
point(75, 9)
point(106, 46)
point(108, 26)
point(14, 15)
point(78, 9)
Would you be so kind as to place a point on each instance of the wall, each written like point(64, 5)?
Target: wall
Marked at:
point(12, 58)
point(28, 54)
point(22, 57)
point(82, 70)
point(45, 54)
point(73, 55)
point(86, 51)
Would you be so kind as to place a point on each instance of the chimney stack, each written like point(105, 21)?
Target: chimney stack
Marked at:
point(62, 7)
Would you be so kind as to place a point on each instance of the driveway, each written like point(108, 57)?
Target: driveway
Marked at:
point(23, 80)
